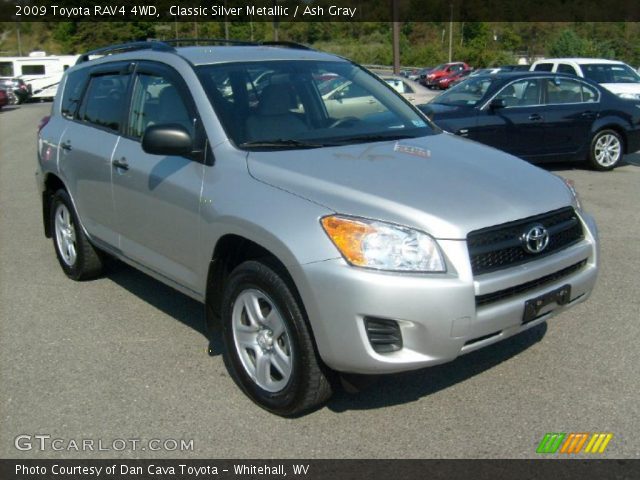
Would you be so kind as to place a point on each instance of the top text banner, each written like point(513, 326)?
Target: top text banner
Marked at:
point(321, 10)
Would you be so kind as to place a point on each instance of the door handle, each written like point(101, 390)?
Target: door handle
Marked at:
point(121, 164)
point(66, 146)
point(535, 117)
point(588, 114)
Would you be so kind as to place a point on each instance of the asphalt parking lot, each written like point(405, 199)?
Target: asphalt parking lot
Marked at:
point(124, 357)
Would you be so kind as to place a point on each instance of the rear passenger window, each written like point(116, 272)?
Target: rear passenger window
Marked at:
point(544, 67)
point(564, 68)
point(104, 102)
point(564, 91)
point(589, 94)
point(72, 95)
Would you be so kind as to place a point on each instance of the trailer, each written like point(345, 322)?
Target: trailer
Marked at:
point(40, 71)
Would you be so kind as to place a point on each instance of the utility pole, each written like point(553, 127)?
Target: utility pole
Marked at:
point(19, 39)
point(451, 32)
point(396, 37)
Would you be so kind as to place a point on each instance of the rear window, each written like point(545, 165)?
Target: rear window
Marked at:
point(104, 101)
point(72, 95)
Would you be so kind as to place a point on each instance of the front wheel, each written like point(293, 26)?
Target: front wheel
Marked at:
point(269, 350)
point(606, 150)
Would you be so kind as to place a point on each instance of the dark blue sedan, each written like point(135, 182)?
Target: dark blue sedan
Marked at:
point(541, 117)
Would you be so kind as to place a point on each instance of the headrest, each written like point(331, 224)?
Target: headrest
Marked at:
point(275, 100)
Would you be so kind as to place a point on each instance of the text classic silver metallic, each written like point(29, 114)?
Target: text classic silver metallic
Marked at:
point(326, 224)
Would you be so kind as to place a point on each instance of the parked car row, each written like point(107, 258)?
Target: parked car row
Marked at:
point(16, 88)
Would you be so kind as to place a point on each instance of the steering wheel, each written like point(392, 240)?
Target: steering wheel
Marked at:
point(343, 122)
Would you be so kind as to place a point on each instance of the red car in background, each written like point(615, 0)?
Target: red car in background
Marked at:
point(444, 70)
point(447, 82)
point(4, 99)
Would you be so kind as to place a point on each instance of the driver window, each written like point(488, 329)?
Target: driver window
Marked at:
point(156, 101)
point(523, 93)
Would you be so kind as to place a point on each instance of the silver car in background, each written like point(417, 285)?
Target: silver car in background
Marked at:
point(362, 242)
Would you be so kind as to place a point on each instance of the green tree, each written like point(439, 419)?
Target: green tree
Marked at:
point(569, 44)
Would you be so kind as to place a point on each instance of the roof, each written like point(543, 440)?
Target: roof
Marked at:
point(581, 61)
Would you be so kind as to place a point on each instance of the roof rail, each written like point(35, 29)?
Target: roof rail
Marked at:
point(167, 46)
point(126, 47)
point(277, 43)
point(179, 41)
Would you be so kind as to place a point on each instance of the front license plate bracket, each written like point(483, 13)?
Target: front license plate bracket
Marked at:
point(559, 296)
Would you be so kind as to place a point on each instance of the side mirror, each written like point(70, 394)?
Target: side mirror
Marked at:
point(169, 139)
point(497, 103)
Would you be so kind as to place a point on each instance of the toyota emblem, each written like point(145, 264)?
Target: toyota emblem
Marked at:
point(536, 239)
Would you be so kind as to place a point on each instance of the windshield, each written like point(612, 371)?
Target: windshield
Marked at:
point(309, 104)
point(468, 93)
point(610, 73)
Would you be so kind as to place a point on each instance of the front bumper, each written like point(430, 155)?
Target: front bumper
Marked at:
point(437, 313)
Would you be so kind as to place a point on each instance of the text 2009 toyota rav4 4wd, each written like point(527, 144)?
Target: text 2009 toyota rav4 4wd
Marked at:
point(327, 229)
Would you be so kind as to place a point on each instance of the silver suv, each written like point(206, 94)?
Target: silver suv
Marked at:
point(325, 229)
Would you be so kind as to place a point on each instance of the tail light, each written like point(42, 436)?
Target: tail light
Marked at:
point(43, 122)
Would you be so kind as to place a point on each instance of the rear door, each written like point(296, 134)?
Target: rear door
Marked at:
point(87, 145)
point(571, 108)
point(157, 198)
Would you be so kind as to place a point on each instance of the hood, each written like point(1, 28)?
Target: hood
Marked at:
point(619, 88)
point(444, 185)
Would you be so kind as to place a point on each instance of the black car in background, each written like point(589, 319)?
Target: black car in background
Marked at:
point(16, 88)
point(541, 117)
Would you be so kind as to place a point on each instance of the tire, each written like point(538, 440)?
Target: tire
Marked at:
point(269, 351)
point(606, 150)
point(78, 258)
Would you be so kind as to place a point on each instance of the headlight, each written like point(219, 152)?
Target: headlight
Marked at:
point(379, 245)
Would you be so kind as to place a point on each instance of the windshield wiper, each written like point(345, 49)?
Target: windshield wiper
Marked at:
point(282, 143)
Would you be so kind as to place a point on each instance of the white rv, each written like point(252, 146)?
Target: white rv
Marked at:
point(40, 71)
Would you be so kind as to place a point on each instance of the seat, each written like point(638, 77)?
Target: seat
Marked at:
point(509, 96)
point(274, 119)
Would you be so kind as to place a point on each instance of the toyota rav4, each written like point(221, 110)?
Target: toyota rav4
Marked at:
point(323, 234)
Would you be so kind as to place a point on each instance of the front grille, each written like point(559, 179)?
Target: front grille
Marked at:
point(501, 246)
point(384, 335)
point(482, 300)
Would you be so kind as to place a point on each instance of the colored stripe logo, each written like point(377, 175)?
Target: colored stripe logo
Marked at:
point(574, 443)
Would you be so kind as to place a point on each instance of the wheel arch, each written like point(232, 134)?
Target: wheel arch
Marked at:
point(52, 184)
point(608, 124)
point(231, 250)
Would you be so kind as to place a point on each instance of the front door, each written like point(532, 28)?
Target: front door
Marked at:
point(157, 198)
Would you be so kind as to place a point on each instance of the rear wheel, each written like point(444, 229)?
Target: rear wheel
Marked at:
point(606, 150)
point(77, 257)
point(269, 350)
